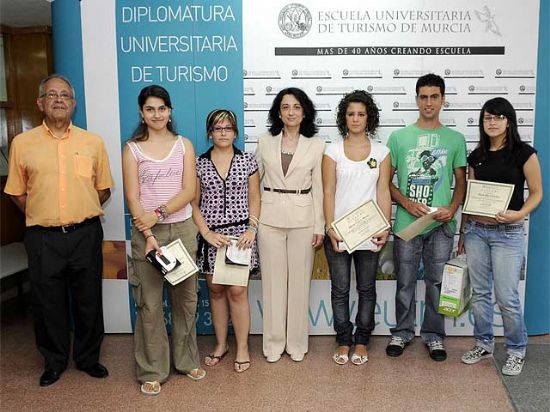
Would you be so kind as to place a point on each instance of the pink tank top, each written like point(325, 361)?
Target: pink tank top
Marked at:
point(161, 180)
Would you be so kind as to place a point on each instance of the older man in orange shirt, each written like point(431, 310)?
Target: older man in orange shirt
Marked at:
point(59, 177)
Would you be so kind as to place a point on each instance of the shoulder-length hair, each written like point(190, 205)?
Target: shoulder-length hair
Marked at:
point(357, 96)
point(141, 133)
point(499, 106)
point(308, 127)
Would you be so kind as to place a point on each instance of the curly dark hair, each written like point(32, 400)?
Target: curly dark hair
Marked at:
point(357, 96)
point(141, 133)
point(308, 127)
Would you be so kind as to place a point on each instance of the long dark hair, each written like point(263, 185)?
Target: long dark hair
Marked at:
point(499, 106)
point(308, 127)
point(141, 133)
point(357, 96)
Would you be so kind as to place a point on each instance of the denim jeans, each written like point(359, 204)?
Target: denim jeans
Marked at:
point(366, 266)
point(495, 255)
point(434, 248)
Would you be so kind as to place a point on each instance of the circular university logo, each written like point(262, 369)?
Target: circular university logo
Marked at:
point(245, 72)
point(470, 120)
point(268, 89)
point(295, 72)
point(471, 88)
point(396, 72)
point(319, 121)
point(499, 72)
point(396, 104)
point(370, 88)
point(520, 120)
point(522, 88)
point(245, 105)
point(345, 72)
point(447, 72)
point(319, 89)
point(295, 20)
point(446, 104)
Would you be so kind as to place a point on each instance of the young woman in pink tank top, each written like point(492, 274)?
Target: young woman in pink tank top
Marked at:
point(159, 184)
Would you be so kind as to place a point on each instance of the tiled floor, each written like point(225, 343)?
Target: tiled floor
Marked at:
point(412, 382)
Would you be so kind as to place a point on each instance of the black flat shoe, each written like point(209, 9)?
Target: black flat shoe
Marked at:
point(96, 371)
point(49, 377)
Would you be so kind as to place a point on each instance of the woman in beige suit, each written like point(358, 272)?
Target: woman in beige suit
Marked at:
point(291, 221)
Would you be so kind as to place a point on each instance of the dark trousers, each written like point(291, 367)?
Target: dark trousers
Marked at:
point(65, 272)
point(366, 267)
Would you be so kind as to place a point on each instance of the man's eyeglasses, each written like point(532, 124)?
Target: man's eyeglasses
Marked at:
point(55, 96)
point(226, 129)
point(494, 118)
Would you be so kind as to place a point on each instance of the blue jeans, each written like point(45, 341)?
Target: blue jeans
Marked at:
point(366, 266)
point(434, 248)
point(495, 256)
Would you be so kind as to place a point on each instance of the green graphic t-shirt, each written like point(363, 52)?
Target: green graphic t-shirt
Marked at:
point(424, 160)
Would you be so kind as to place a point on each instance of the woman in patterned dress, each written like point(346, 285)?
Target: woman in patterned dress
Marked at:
point(227, 203)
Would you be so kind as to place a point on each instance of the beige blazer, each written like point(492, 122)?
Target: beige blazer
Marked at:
point(291, 210)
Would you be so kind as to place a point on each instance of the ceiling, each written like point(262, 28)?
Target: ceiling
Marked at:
point(24, 13)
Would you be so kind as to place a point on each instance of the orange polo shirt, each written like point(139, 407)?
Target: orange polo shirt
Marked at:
point(59, 175)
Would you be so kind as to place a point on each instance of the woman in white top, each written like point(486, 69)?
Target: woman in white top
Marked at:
point(356, 169)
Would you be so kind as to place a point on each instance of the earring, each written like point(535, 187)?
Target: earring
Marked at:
point(169, 120)
point(142, 121)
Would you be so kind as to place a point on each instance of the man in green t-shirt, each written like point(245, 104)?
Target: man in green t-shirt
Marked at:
point(425, 155)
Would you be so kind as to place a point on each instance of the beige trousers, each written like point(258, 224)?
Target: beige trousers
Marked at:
point(151, 346)
point(286, 261)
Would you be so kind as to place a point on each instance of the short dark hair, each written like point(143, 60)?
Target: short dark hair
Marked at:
point(219, 115)
point(431, 79)
point(357, 96)
point(141, 133)
point(499, 106)
point(308, 127)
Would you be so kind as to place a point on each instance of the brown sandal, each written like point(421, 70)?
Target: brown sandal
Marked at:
point(241, 367)
point(213, 360)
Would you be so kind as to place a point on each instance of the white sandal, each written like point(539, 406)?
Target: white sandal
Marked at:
point(358, 359)
point(340, 358)
point(150, 388)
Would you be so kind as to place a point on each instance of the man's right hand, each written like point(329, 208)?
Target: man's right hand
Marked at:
point(416, 209)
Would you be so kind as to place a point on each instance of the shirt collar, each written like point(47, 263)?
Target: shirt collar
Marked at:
point(208, 153)
point(65, 135)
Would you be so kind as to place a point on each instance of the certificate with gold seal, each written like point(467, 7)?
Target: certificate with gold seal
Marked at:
point(360, 224)
point(487, 198)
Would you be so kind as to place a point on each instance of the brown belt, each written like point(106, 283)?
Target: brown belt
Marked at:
point(294, 192)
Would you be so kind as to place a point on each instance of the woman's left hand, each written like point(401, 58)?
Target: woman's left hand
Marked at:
point(246, 240)
point(509, 216)
point(380, 240)
point(317, 240)
point(146, 221)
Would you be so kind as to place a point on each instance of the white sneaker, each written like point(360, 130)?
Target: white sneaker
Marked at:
point(513, 365)
point(475, 354)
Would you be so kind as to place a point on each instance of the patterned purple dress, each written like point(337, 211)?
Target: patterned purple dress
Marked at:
point(224, 203)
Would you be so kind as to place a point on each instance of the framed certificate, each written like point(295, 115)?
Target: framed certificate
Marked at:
point(360, 224)
point(187, 267)
point(487, 198)
point(232, 265)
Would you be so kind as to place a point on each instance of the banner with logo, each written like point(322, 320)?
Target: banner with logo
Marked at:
point(239, 53)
